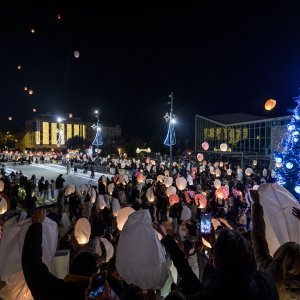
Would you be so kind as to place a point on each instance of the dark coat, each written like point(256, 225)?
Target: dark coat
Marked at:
point(43, 284)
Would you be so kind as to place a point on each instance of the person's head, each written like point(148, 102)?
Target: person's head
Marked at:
point(286, 264)
point(84, 264)
point(233, 256)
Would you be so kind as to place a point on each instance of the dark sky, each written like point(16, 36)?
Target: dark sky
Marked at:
point(219, 61)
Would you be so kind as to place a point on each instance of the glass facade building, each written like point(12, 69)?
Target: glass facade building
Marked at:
point(241, 132)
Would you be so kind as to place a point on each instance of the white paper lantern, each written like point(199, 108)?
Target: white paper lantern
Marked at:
point(200, 157)
point(1, 185)
point(3, 206)
point(166, 173)
point(150, 195)
point(216, 164)
point(108, 248)
point(218, 173)
point(181, 183)
point(221, 164)
point(254, 162)
point(229, 172)
point(148, 168)
point(101, 202)
point(160, 178)
point(140, 178)
point(76, 54)
point(115, 207)
point(123, 215)
point(110, 188)
point(265, 172)
point(170, 190)
point(186, 213)
point(248, 171)
point(202, 169)
point(205, 146)
point(217, 183)
point(168, 181)
point(223, 147)
point(189, 179)
point(82, 231)
point(69, 189)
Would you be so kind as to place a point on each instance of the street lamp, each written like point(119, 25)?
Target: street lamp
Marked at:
point(170, 138)
point(98, 138)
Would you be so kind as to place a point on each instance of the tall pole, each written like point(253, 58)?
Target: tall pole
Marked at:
point(171, 120)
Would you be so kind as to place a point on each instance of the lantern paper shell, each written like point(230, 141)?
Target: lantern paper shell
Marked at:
point(189, 179)
point(110, 188)
point(265, 172)
point(229, 172)
point(82, 231)
point(3, 206)
point(200, 200)
point(248, 171)
point(69, 189)
point(186, 213)
point(200, 157)
point(150, 195)
point(108, 247)
point(123, 215)
point(76, 54)
point(217, 183)
point(1, 185)
point(115, 207)
point(168, 181)
point(160, 178)
point(222, 193)
point(170, 190)
point(166, 173)
point(270, 104)
point(173, 198)
point(205, 146)
point(223, 147)
point(101, 202)
point(181, 183)
point(218, 173)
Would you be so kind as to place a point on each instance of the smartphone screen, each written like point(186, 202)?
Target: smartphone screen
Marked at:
point(97, 284)
point(205, 223)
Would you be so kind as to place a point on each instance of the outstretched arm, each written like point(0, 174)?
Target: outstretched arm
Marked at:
point(261, 248)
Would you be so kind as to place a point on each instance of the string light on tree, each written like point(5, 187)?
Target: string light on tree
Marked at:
point(287, 155)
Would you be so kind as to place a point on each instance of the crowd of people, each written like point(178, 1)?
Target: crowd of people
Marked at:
point(204, 219)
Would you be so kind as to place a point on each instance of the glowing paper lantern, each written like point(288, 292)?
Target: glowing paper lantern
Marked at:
point(229, 172)
point(205, 146)
point(110, 188)
point(254, 162)
point(70, 115)
point(270, 104)
point(221, 164)
point(108, 247)
point(168, 181)
point(248, 171)
point(58, 16)
point(200, 157)
point(150, 195)
point(115, 207)
point(201, 200)
point(19, 67)
point(223, 147)
point(218, 173)
point(25, 88)
point(166, 173)
point(186, 213)
point(173, 198)
point(170, 190)
point(76, 54)
point(278, 165)
point(101, 202)
point(30, 92)
point(69, 189)
point(32, 30)
point(140, 178)
point(216, 164)
point(123, 215)
point(217, 183)
point(82, 231)
point(181, 183)
point(3, 206)
point(189, 179)
point(160, 178)
point(222, 193)
point(9, 118)
point(34, 110)
point(1, 185)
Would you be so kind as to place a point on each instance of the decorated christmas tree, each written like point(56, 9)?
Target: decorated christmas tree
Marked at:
point(287, 156)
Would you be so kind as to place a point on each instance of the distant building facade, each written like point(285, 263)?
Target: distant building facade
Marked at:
point(241, 132)
point(46, 131)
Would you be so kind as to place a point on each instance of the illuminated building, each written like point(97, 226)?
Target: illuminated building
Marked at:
point(245, 134)
point(47, 131)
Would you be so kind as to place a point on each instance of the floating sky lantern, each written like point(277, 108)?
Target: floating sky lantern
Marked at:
point(10, 118)
point(168, 181)
point(58, 16)
point(32, 30)
point(70, 115)
point(150, 195)
point(34, 110)
point(170, 190)
point(19, 67)
point(270, 104)
point(82, 231)
point(3, 206)
point(248, 171)
point(123, 215)
point(25, 88)
point(30, 92)
point(222, 192)
point(173, 198)
point(205, 146)
point(201, 200)
point(181, 183)
point(217, 183)
point(76, 54)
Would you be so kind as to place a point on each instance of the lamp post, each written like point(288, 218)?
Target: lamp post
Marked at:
point(98, 138)
point(59, 131)
point(170, 138)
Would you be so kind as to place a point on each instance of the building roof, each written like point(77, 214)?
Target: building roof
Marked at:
point(235, 118)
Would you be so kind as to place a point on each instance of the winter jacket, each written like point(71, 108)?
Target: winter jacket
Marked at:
point(263, 258)
point(43, 284)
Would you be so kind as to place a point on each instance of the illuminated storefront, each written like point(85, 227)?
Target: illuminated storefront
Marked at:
point(241, 132)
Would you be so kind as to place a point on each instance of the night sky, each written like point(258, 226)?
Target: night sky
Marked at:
point(218, 61)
